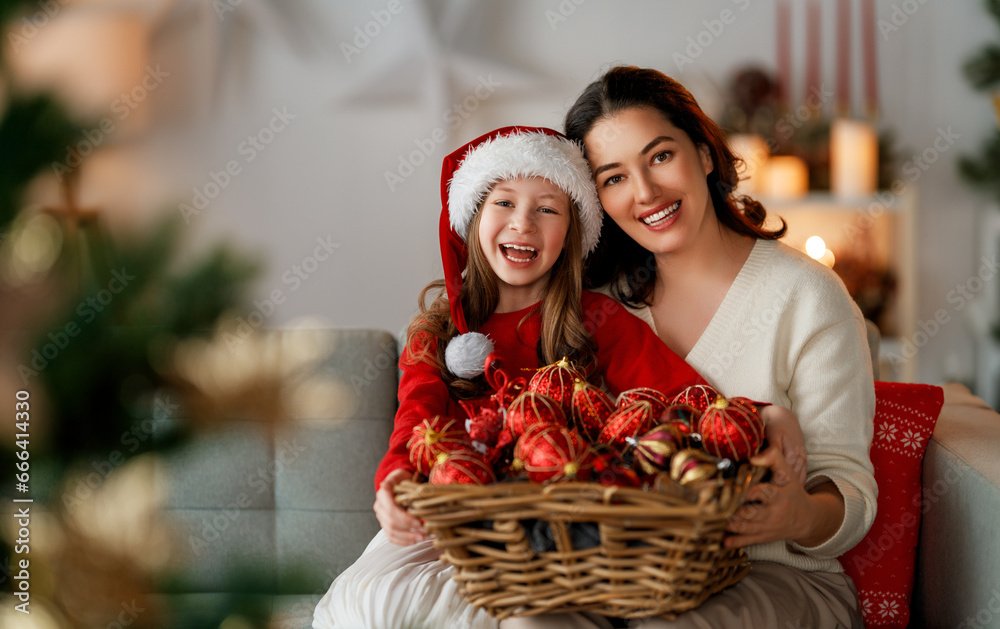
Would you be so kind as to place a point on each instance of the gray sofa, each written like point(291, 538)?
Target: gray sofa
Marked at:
point(294, 508)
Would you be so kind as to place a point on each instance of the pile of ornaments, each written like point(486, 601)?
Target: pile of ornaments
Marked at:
point(560, 427)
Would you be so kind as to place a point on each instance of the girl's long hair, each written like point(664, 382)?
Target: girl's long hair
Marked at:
point(563, 333)
point(620, 260)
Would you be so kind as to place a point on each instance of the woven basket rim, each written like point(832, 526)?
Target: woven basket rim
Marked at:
point(660, 553)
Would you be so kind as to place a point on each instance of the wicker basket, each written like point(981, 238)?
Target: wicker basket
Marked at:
point(659, 551)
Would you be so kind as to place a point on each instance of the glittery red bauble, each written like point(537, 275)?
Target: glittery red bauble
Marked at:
point(531, 408)
point(700, 396)
point(557, 454)
point(557, 382)
point(683, 417)
point(659, 401)
point(434, 436)
point(485, 426)
point(731, 429)
point(526, 441)
point(653, 450)
point(630, 421)
point(591, 409)
point(464, 467)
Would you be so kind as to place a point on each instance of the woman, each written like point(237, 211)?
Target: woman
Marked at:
point(751, 315)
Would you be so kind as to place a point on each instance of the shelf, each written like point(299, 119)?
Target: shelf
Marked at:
point(826, 202)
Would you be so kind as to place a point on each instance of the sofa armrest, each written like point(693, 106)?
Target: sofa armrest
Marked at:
point(958, 559)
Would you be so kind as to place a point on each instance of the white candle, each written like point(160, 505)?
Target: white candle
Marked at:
point(753, 150)
point(785, 177)
point(853, 158)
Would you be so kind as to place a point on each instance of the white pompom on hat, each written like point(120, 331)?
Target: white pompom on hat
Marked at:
point(467, 176)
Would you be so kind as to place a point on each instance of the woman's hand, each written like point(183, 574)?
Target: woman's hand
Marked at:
point(782, 426)
point(782, 509)
point(400, 527)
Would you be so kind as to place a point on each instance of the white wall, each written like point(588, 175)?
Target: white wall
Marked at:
point(325, 173)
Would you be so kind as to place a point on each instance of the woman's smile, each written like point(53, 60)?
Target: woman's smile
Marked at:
point(660, 215)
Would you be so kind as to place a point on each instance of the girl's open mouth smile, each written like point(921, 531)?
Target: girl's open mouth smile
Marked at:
point(519, 253)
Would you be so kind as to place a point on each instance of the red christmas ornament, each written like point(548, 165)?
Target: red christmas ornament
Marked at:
point(557, 454)
point(531, 408)
point(630, 421)
point(609, 469)
point(557, 382)
point(683, 417)
point(435, 436)
point(659, 401)
point(731, 429)
point(484, 427)
point(465, 467)
point(652, 451)
point(526, 441)
point(591, 409)
point(700, 396)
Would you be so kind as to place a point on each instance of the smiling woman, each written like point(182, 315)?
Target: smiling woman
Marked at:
point(520, 214)
point(692, 259)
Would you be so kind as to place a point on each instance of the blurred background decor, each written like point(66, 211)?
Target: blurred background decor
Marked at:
point(98, 328)
point(147, 145)
point(818, 163)
point(981, 171)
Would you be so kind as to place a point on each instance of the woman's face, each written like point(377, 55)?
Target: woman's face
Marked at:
point(651, 179)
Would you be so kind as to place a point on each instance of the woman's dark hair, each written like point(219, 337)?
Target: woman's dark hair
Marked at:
point(619, 259)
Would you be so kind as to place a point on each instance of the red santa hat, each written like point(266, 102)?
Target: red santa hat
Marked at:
point(467, 176)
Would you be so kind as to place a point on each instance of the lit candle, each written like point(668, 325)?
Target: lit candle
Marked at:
point(753, 150)
point(816, 249)
point(785, 177)
point(853, 158)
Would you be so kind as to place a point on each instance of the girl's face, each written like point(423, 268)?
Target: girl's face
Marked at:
point(521, 232)
point(651, 178)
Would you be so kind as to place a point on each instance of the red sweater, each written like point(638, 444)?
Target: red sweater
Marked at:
point(629, 355)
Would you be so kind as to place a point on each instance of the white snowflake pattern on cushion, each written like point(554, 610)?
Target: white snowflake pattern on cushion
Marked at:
point(867, 607)
point(888, 609)
point(887, 432)
point(912, 439)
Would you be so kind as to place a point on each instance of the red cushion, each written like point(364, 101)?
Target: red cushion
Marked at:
point(882, 564)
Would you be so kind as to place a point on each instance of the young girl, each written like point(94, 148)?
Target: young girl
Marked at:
point(520, 213)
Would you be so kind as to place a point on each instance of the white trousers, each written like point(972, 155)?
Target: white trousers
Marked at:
point(398, 587)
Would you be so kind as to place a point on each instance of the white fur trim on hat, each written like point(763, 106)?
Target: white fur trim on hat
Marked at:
point(525, 154)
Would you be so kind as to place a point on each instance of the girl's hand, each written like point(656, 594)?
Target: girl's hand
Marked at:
point(783, 510)
point(400, 527)
point(781, 426)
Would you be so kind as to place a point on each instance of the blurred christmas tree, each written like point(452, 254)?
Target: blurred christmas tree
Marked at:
point(983, 72)
point(88, 327)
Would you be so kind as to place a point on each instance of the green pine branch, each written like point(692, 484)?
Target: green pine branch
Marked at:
point(96, 358)
point(983, 69)
point(983, 169)
point(34, 133)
